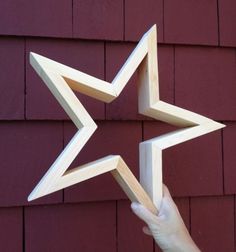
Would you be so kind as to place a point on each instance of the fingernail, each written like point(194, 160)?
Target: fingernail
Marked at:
point(134, 205)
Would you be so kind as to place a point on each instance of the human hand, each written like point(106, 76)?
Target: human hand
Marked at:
point(167, 228)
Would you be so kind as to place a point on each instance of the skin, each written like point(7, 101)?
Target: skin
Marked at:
point(167, 228)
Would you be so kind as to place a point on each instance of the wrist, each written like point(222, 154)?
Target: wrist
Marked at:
point(181, 242)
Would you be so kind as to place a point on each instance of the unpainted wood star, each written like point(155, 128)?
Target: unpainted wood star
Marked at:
point(61, 80)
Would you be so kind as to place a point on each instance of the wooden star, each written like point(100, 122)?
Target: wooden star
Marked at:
point(61, 79)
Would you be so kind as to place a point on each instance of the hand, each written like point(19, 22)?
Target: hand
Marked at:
point(167, 228)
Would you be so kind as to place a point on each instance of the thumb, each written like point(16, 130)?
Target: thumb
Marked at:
point(143, 213)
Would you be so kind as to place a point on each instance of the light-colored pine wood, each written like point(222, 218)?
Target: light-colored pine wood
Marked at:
point(61, 80)
point(77, 80)
point(150, 160)
point(131, 186)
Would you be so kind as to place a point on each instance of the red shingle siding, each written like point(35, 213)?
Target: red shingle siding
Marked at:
point(12, 86)
point(22, 146)
point(36, 18)
point(212, 223)
point(166, 73)
point(78, 227)
point(227, 22)
point(191, 22)
point(98, 19)
point(11, 231)
point(229, 136)
point(197, 71)
point(205, 81)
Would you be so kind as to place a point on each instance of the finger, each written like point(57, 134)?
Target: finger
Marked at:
point(143, 213)
point(166, 192)
point(147, 231)
point(167, 204)
point(166, 195)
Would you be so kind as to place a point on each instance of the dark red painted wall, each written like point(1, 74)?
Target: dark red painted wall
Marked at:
point(197, 67)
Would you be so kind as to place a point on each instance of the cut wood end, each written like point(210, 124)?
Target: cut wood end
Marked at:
point(31, 197)
point(152, 29)
point(33, 56)
point(35, 60)
point(220, 125)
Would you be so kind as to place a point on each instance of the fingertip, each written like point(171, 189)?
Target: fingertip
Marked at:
point(166, 192)
point(137, 208)
point(146, 230)
point(134, 205)
point(143, 213)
